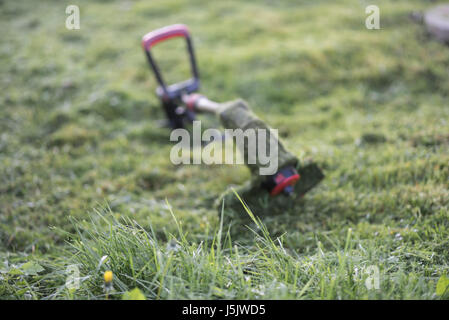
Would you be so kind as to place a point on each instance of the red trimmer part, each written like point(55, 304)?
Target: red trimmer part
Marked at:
point(286, 185)
point(162, 34)
point(282, 181)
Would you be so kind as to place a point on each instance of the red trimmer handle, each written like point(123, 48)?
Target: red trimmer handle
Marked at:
point(175, 90)
point(162, 34)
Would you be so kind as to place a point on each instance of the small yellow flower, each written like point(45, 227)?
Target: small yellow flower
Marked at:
point(108, 276)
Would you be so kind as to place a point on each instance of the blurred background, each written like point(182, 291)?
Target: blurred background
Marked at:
point(79, 120)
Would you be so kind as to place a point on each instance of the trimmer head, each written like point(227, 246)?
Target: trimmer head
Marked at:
point(290, 182)
point(282, 181)
point(263, 203)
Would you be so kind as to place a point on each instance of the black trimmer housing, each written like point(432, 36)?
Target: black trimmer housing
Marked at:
point(170, 95)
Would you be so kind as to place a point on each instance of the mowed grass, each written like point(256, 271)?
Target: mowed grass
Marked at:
point(85, 176)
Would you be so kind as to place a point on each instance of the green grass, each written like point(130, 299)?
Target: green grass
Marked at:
point(85, 170)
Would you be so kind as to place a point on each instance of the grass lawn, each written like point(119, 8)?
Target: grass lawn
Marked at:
point(86, 184)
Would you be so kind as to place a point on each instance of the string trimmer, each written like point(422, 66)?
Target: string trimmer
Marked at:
point(181, 102)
